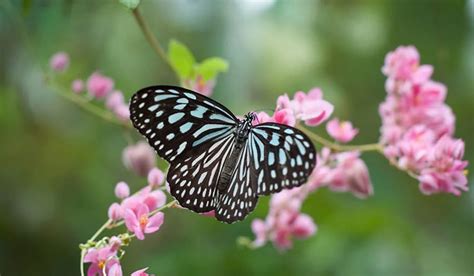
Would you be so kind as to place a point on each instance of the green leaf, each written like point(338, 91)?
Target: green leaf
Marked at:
point(131, 4)
point(26, 7)
point(181, 59)
point(210, 67)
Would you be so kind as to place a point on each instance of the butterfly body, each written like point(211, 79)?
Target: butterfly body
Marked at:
point(217, 161)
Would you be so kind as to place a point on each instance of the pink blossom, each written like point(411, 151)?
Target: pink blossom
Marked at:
point(260, 232)
point(200, 85)
point(285, 117)
point(114, 100)
point(141, 272)
point(99, 86)
point(351, 174)
point(154, 199)
point(115, 211)
point(115, 243)
point(100, 259)
point(155, 177)
point(262, 117)
point(310, 108)
point(303, 226)
point(139, 223)
point(211, 213)
point(139, 158)
point(59, 62)
point(122, 190)
point(341, 131)
point(122, 112)
point(401, 63)
point(115, 270)
point(77, 86)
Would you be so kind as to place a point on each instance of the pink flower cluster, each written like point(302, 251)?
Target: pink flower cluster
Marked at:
point(104, 260)
point(98, 86)
point(135, 209)
point(284, 220)
point(341, 172)
point(418, 126)
point(308, 107)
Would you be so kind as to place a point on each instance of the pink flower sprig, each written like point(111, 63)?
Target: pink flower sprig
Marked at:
point(309, 107)
point(418, 126)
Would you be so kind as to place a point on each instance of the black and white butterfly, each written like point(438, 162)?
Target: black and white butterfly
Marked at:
point(217, 161)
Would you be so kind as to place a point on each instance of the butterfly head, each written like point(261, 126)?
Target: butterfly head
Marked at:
point(249, 117)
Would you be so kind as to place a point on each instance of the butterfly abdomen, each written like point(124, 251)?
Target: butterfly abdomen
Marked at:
point(241, 133)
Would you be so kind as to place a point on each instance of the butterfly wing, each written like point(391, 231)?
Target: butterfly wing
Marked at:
point(282, 157)
point(193, 176)
point(176, 120)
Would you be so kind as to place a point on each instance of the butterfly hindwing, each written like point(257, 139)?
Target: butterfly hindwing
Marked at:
point(283, 157)
point(193, 176)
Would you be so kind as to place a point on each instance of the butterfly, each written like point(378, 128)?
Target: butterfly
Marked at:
point(217, 161)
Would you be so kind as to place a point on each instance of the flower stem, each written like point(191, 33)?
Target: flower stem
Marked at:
point(91, 240)
point(150, 37)
point(86, 105)
point(338, 147)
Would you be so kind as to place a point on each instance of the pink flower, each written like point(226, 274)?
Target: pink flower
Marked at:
point(114, 100)
point(310, 108)
point(115, 211)
point(122, 112)
point(262, 117)
point(77, 86)
point(99, 85)
point(341, 131)
point(115, 243)
point(285, 117)
point(59, 61)
point(303, 226)
point(350, 174)
point(139, 223)
point(100, 259)
point(200, 85)
point(401, 63)
point(122, 190)
point(155, 177)
point(115, 270)
point(260, 232)
point(141, 272)
point(139, 158)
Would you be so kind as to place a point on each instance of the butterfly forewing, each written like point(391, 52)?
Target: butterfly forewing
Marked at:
point(176, 120)
point(282, 156)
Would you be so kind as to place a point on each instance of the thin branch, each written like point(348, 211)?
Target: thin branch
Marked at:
point(338, 147)
point(87, 105)
point(154, 43)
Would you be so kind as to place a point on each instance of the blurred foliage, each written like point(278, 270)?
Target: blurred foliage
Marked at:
point(58, 165)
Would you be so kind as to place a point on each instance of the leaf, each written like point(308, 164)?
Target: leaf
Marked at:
point(210, 67)
point(131, 4)
point(181, 59)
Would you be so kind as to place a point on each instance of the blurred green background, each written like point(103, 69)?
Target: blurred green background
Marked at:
point(58, 164)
